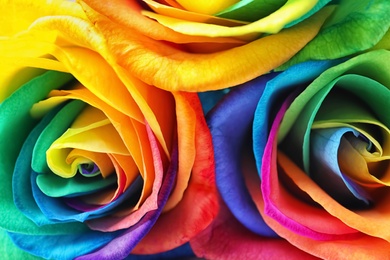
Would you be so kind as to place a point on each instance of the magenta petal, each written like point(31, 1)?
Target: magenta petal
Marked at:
point(226, 238)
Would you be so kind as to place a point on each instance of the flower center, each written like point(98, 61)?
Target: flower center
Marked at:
point(89, 169)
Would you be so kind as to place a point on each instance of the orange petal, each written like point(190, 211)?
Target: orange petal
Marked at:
point(166, 67)
point(128, 13)
point(199, 204)
point(362, 247)
point(374, 221)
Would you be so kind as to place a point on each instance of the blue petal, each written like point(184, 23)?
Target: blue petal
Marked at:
point(230, 122)
point(327, 173)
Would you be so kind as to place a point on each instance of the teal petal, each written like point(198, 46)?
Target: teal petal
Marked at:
point(8, 250)
point(55, 186)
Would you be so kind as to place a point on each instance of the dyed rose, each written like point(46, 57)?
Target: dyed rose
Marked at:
point(209, 45)
point(95, 164)
point(305, 154)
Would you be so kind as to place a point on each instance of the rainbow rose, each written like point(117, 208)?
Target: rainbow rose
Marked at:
point(209, 45)
point(303, 155)
point(95, 164)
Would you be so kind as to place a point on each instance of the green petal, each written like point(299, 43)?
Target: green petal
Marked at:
point(15, 125)
point(251, 10)
point(384, 43)
point(299, 117)
point(354, 27)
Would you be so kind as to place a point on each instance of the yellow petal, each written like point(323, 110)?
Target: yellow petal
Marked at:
point(186, 122)
point(18, 15)
point(292, 10)
point(94, 135)
point(190, 16)
point(129, 93)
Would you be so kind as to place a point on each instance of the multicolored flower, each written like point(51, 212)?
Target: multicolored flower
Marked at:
point(303, 154)
point(95, 164)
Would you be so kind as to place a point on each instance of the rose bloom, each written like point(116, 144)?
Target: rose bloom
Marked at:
point(209, 45)
point(304, 155)
point(95, 164)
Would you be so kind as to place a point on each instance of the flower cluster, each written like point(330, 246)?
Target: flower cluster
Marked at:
point(228, 129)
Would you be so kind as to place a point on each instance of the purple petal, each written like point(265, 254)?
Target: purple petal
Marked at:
point(230, 123)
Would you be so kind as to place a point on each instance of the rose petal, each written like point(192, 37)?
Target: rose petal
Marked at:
point(298, 75)
point(61, 246)
point(354, 27)
point(21, 184)
point(60, 211)
point(99, 137)
point(251, 10)
point(336, 249)
point(189, 16)
point(373, 222)
point(204, 6)
point(229, 129)
point(282, 205)
point(182, 252)
point(187, 219)
point(226, 238)
point(312, 99)
point(53, 131)
point(17, 15)
point(327, 173)
point(9, 249)
point(333, 249)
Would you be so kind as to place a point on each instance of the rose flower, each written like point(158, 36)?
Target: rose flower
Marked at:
point(95, 163)
point(304, 155)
